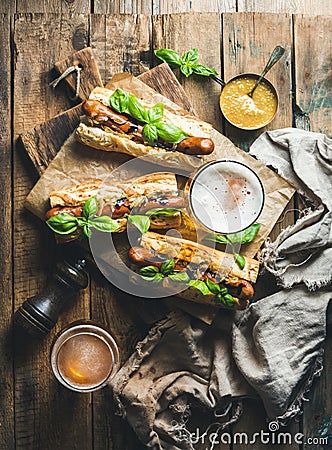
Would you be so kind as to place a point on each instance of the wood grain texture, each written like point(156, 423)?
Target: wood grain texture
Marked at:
point(6, 257)
point(246, 51)
point(120, 43)
point(54, 6)
point(313, 71)
point(202, 92)
point(286, 6)
point(39, 400)
point(43, 142)
point(90, 75)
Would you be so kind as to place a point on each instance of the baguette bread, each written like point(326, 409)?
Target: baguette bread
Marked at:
point(102, 137)
point(199, 263)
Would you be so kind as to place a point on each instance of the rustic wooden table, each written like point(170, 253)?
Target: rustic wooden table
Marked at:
point(35, 411)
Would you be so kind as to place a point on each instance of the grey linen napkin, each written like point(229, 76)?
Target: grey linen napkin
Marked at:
point(272, 350)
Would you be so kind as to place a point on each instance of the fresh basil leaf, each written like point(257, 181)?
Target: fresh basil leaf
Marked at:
point(170, 133)
point(157, 278)
point(205, 71)
point(186, 70)
point(214, 287)
point(219, 238)
point(119, 100)
point(190, 57)
point(149, 271)
point(136, 109)
point(87, 231)
point(142, 223)
point(81, 221)
point(104, 223)
point(228, 300)
point(240, 260)
point(63, 223)
point(245, 236)
point(155, 113)
point(167, 267)
point(150, 134)
point(200, 285)
point(179, 275)
point(90, 208)
point(223, 291)
point(169, 56)
point(163, 212)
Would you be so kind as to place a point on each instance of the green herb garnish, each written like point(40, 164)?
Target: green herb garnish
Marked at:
point(208, 287)
point(67, 224)
point(152, 273)
point(142, 223)
point(163, 212)
point(153, 127)
point(187, 64)
point(243, 237)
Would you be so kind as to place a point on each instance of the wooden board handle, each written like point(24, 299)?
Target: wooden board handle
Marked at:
point(90, 76)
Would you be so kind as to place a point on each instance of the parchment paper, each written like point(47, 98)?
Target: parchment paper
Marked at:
point(76, 163)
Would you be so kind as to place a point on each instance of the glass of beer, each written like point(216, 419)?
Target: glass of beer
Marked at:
point(226, 196)
point(84, 357)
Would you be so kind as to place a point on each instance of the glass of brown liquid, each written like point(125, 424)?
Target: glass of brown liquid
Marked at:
point(84, 357)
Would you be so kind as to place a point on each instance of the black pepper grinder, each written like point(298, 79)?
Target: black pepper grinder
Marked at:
point(39, 314)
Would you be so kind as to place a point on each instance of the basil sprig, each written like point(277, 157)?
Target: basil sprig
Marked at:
point(187, 64)
point(152, 273)
point(153, 128)
point(208, 286)
point(243, 237)
point(67, 224)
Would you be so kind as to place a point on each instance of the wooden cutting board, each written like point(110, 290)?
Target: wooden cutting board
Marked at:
point(44, 141)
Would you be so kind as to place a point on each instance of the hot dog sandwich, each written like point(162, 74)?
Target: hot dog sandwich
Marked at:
point(117, 121)
point(155, 195)
point(207, 275)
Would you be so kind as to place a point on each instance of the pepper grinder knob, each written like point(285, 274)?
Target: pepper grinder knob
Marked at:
point(39, 314)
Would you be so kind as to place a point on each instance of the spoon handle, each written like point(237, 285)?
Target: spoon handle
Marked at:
point(218, 80)
point(275, 56)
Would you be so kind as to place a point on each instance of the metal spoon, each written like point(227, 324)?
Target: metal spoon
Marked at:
point(275, 56)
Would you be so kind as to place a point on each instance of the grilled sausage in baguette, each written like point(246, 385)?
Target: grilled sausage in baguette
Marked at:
point(106, 129)
point(199, 263)
point(135, 196)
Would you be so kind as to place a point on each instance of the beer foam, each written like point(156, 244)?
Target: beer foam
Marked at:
point(226, 196)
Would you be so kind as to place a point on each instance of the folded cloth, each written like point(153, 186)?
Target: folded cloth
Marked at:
point(272, 350)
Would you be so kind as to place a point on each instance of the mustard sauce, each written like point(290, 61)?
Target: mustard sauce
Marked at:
point(246, 112)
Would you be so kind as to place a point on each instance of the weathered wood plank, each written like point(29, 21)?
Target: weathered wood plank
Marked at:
point(120, 43)
point(8, 7)
point(203, 93)
point(6, 257)
point(123, 6)
point(246, 51)
point(286, 6)
point(54, 6)
point(313, 71)
point(39, 400)
point(177, 6)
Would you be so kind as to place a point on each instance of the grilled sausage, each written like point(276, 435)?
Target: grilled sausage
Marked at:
point(196, 146)
point(117, 212)
point(167, 202)
point(240, 289)
point(98, 112)
point(72, 210)
point(144, 257)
